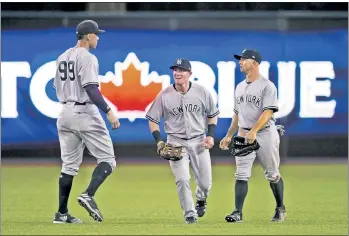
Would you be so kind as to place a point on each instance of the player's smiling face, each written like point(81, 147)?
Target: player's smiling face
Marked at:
point(180, 75)
point(245, 64)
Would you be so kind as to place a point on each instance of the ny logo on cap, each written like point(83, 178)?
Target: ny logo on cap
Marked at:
point(179, 62)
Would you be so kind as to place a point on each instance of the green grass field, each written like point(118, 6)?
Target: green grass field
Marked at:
point(143, 200)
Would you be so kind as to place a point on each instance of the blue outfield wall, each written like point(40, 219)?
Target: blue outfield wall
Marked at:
point(309, 68)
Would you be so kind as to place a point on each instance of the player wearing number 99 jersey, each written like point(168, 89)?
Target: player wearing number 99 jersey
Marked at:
point(80, 123)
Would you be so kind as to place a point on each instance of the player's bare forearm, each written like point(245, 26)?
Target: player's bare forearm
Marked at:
point(263, 120)
point(155, 131)
point(153, 126)
point(233, 126)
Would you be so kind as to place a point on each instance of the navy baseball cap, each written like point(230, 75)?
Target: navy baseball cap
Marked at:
point(181, 63)
point(88, 27)
point(250, 54)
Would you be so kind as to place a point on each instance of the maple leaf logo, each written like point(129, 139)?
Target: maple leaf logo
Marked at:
point(131, 89)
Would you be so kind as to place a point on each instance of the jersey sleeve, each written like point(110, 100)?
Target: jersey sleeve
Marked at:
point(236, 107)
point(269, 100)
point(56, 76)
point(88, 71)
point(211, 108)
point(155, 111)
point(55, 83)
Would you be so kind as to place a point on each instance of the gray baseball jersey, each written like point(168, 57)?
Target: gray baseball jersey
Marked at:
point(80, 123)
point(76, 68)
point(185, 115)
point(251, 99)
point(185, 120)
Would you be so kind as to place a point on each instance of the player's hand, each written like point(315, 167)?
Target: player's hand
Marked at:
point(114, 121)
point(225, 143)
point(250, 137)
point(208, 142)
point(159, 146)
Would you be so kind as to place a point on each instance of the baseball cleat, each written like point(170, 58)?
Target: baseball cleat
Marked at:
point(90, 206)
point(235, 216)
point(65, 219)
point(190, 220)
point(280, 214)
point(200, 208)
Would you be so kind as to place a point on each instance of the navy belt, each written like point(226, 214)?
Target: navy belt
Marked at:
point(266, 127)
point(186, 139)
point(192, 137)
point(77, 103)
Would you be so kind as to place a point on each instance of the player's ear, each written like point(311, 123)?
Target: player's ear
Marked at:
point(190, 73)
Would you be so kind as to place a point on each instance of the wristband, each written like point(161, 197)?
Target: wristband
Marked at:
point(107, 109)
point(210, 130)
point(157, 136)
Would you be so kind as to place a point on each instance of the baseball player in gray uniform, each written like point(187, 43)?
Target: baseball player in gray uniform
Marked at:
point(255, 104)
point(80, 123)
point(188, 110)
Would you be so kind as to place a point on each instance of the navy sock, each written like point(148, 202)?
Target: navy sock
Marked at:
point(278, 191)
point(100, 173)
point(241, 188)
point(65, 184)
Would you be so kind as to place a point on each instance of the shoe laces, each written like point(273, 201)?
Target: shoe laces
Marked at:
point(280, 209)
point(236, 212)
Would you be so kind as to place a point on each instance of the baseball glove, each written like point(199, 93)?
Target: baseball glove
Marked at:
point(238, 147)
point(280, 129)
point(169, 152)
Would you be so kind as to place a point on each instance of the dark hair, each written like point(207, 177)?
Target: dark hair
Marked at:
point(79, 36)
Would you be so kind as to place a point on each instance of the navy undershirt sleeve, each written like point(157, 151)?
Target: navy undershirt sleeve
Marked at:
point(96, 97)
